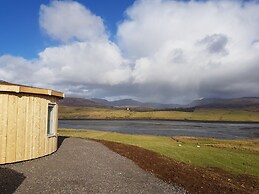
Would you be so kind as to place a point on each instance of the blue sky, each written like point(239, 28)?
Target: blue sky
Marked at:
point(21, 34)
point(148, 50)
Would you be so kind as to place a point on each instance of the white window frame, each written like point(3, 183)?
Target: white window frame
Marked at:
point(51, 120)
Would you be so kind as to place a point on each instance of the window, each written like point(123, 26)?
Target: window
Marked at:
point(51, 119)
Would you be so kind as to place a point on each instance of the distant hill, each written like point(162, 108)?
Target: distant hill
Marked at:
point(246, 102)
point(127, 102)
point(96, 102)
point(101, 101)
point(122, 103)
point(134, 103)
point(162, 106)
point(82, 102)
point(225, 103)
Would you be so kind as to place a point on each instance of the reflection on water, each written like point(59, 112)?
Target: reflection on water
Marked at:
point(168, 128)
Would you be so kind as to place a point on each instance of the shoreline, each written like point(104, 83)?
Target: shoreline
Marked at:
point(177, 120)
point(185, 136)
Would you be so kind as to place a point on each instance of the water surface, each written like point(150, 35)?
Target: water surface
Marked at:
point(169, 128)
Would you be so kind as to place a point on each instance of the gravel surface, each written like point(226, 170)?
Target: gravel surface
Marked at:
point(81, 166)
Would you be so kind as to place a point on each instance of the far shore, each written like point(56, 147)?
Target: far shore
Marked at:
point(198, 115)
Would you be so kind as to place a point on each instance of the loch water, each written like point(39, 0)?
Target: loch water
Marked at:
point(169, 128)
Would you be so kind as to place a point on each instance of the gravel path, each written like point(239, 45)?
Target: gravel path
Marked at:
point(81, 166)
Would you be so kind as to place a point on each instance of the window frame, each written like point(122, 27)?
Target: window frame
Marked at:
point(51, 120)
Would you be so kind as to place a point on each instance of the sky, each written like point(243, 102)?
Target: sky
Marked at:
point(149, 50)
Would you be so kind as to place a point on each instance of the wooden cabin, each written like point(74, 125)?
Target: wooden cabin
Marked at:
point(28, 122)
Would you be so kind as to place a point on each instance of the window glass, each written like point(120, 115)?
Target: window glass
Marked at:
point(50, 129)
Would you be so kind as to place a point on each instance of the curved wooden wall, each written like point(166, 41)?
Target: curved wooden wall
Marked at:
point(23, 127)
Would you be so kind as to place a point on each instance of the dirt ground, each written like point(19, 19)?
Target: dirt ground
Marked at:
point(193, 179)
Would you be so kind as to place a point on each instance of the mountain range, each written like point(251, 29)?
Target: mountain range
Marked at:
point(97, 102)
point(201, 103)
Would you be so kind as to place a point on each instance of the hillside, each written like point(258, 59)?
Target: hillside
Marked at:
point(245, 102)
point(135, 103)
point(80, 102)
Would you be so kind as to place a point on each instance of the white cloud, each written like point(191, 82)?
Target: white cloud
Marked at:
point(181, 46)
point(69, 20)
point(98, 62)
point(16, 68)
point(88, 57)
point(167, 51)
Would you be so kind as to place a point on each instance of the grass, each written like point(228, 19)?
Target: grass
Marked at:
point(235, 156)
point(237, 115)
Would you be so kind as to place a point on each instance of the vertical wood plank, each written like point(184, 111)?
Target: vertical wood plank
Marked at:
point(11, 129)
point(42, 128)
point(29, 127)
point(21, 128)
point(46, 122)
point(35, 128)
point(5, 124)
point(27, 134)
point(3, 127)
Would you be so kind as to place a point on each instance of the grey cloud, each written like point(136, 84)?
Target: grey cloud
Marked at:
point(178, 56)
point(238, 83)
point(255, 43)
point(215, 43)
point(212, 89)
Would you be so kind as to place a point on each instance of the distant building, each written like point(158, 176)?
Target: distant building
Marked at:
point(28, 122)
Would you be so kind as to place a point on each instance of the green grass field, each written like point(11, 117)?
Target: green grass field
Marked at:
point(235, 156)
point(197, 115)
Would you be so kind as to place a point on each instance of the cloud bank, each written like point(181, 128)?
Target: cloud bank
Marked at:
point(165, 51)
